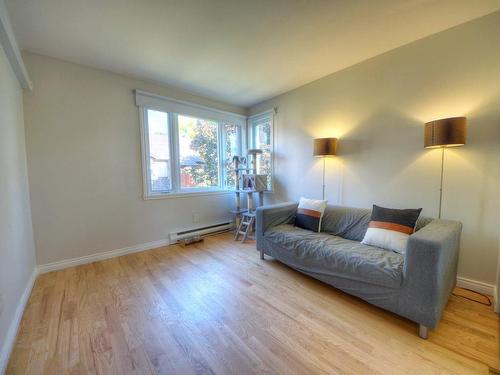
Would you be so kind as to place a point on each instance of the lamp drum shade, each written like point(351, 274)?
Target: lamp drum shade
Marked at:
point(447, 132)
point(325, 147)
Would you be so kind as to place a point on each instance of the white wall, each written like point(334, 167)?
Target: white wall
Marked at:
point(84, 161)
point(378, 109)
point(17, 256)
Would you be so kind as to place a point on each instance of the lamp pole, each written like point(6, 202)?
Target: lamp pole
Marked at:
point(445, 132)
point(441, 183)
point(324, 161)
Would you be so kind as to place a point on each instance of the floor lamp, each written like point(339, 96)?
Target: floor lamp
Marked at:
point(323, 148)
point(443, 133)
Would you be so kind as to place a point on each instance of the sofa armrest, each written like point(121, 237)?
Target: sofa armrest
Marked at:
point(271, 216)
point(430, 268)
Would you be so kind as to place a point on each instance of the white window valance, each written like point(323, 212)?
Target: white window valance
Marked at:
point(167, 104)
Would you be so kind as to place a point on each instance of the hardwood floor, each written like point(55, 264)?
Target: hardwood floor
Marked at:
point(217, 308)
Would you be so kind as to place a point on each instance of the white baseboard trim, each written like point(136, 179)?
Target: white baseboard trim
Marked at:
point(477, 286)
point(10, 337)
point(59, 265)
point(497, 303)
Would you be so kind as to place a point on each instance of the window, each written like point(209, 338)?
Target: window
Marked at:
point(159, 152)
point(198, 152)
point(232, 147)
point(261, 137)
point(189, 151)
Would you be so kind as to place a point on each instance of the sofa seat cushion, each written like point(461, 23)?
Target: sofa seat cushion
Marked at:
point(325, 254)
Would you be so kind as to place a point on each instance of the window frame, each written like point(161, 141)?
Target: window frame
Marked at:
point(146, 155)
point(173, 132)
point(240, 136)
point(252, 123)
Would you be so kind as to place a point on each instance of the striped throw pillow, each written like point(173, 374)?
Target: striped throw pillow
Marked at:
point(390, 228)
point(310, 213)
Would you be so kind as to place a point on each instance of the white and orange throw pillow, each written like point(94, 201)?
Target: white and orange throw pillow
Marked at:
point(390, 228)
point(310, 213)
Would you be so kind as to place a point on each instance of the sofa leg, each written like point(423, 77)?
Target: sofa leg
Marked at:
point(262, 254)
point(423, 331)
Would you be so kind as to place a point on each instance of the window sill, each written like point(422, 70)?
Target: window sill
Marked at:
point(187, 194)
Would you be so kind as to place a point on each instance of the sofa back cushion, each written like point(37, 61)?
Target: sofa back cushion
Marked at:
point(352, 223)
point(346, 222)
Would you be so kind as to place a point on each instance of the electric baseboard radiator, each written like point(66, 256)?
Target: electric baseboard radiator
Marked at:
point(203, 231)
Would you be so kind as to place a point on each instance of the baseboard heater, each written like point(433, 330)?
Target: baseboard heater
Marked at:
point(203, 231)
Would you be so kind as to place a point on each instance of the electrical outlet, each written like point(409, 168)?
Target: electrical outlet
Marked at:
point(196, 218)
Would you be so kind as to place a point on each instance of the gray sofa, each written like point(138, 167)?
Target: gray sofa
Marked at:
point(415, 285)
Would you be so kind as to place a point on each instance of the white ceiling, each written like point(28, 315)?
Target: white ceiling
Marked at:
point(238, 51)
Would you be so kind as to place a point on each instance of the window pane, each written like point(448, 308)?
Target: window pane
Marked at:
point(231, 148)
point(262, 140)
point(159, 151)
point(198, 153)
